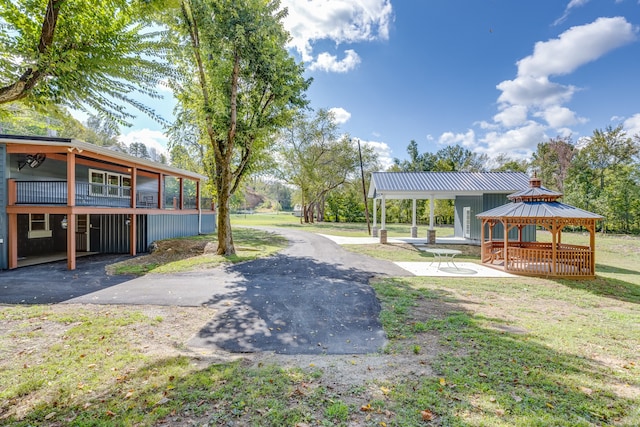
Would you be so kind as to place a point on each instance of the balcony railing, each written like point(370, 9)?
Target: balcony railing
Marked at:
point(92, 194)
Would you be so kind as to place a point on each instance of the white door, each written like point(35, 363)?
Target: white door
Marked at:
point(466, 222)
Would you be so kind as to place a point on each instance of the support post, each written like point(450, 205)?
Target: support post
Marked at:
point(383, 221)
point(414, 227)
point(374, 230)
point(71, 241)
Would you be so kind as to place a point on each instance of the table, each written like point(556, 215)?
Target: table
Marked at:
point(444, 255)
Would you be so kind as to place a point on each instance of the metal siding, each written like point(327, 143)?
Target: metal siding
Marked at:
point(4, 232)
point(114, 234)
point(475, 203)
point(208, 223)
point(160, 227)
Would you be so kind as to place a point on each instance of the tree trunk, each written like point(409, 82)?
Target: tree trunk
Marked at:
point(225, 238)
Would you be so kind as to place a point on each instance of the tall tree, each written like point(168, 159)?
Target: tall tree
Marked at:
point(552, 161)
point(603, 177)
point(139, 149)
point(454, 158)
point(238, 83)
point(315, 159)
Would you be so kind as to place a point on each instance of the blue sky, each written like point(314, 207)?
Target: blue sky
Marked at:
point(495, 76)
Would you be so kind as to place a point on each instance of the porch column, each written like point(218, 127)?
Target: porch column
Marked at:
point(71, 179)
point(374, 229)
point(132, 235)
point(554, 242)
point(432, 208)
point(181, 201)
point(431, 233)
point(13, 240)
point(134, 187)
point(482, 243)
point(71, 241)
point(160, 191)
point(414, 227)
point(71, 218)
point(383, 221)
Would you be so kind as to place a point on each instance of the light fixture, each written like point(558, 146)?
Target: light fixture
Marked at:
point(127, 221)
point(64, 223)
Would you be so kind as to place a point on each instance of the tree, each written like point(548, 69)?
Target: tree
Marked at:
point(454, 158)
point(139, 149)
point(315, 159)
point(417, 162)
point(603, 177)
point(552, 161)
point(237, 82)
point(82, 54)
point(505, 163)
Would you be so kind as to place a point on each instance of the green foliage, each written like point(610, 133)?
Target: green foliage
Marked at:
point(237, 84)
point(85, 55)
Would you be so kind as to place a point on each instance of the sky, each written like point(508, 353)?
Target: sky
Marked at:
point(494, 76)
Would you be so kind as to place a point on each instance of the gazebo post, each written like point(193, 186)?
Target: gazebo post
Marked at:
point(505, 226)
point(374, 229)
point(431, 234)
point(554, 246)
point(592, 246)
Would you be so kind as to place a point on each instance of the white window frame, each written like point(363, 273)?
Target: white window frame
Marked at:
point(39, 234)
point(108, 186)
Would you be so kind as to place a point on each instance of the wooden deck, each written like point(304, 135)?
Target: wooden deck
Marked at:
point(539, 259)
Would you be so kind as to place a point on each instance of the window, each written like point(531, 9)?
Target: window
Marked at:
point(39, 226)
point(109, 184)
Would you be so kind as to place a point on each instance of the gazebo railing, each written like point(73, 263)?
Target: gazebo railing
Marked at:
point(536, 258)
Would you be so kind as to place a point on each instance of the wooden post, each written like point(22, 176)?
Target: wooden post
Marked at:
point(71, 241)
point(71, 179)
point(132, 235)
point(13, 240)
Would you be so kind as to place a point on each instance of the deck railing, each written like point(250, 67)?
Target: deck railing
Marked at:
point(536, 258)
point(92, 194)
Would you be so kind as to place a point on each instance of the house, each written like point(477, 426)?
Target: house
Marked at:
point(63, 197)
point(472, 192)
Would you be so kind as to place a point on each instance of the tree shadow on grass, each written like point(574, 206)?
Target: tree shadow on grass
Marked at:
point(493, 373)
point(607, 287)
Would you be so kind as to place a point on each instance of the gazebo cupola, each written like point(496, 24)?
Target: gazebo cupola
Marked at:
point(538, 207)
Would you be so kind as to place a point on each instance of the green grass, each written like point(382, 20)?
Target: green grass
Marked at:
point(287, 220)
point(508, 352)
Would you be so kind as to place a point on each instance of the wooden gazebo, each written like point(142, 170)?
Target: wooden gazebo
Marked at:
point(537, 207)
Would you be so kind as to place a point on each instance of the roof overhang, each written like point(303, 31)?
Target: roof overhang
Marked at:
point(32, 145)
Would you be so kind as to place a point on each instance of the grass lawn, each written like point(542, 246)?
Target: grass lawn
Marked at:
point(462, 352)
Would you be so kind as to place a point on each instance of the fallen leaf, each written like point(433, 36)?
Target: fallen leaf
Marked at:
point(129, 394)
point(482, 374)
point(366, 408)
point(516, 397)
point(384, 390)
point(162, 401)
point(443, 382)
point(427, 415)
point(549, 405)
point(500, 412)
point(50, 415)
point(110, 413)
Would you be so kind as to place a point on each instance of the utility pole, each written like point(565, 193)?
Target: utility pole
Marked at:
point(364, 191)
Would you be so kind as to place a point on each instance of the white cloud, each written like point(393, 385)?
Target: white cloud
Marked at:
point(467, 139)
point(632, 125)
point(518, 142)
point(558, 117)
point(513, 115)
point(340, 115)
point(383, 150)
point(340, 21)
point(330, 63)
point(532, 104)
point(572, 4)
point(150, 138)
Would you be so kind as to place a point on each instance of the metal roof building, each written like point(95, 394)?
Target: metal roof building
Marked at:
point(471, 192)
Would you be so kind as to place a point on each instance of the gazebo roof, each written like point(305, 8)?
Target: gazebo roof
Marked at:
point(537, 209)
point(537, 202)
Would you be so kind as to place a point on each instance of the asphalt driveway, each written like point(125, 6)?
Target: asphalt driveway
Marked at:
point(311, 298)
